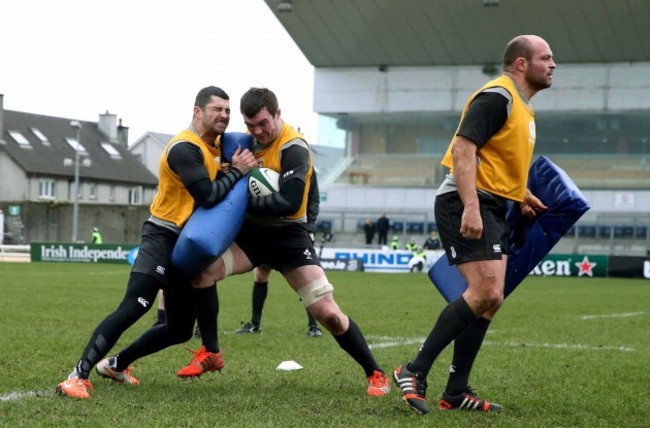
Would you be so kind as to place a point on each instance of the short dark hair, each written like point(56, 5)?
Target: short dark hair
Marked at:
point(517, 47)
point(204, 95)
point(255, 99)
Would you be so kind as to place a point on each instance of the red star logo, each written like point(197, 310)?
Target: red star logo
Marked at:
point(585, 267)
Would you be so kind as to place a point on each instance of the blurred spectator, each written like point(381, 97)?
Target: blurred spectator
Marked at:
point(369, 230)
point(411, 245)
point(418, 260)
point(394, 244)
point(432, 242)
point(97, 237)
point(382, 229)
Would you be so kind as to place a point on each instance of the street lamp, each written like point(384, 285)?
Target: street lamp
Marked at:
point(75, 200)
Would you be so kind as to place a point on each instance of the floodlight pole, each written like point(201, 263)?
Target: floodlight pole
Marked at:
point(75, 197)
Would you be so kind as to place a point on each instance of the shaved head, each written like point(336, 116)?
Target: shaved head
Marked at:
point(521, 46)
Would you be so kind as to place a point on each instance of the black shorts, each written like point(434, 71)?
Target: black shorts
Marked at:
point(155, 257)
point(280, 247)
point(493, 243)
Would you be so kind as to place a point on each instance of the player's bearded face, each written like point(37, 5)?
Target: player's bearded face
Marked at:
point(540, 69)
point(216, 115)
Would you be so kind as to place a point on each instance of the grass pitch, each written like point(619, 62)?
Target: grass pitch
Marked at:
point(563, 352)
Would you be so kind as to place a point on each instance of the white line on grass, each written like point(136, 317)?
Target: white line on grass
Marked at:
point(577, 346)
point(394, 343)
point(388, 342)
point(391, 342)
point(19, 395)
point(623, 315)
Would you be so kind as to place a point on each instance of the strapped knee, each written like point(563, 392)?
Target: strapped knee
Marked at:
point(314, 291)
point(228, 261)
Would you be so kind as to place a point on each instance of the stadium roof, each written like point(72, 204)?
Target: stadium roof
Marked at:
point(384, 33)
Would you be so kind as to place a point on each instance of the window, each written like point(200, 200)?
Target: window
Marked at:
point(20, 139)
point(92, 190)
point(111, 193)
point(112, 151)
point(135, 195)
point(72, 142)
point(46, 188)
point(43, 139)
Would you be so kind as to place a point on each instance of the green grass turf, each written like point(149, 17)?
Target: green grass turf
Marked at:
point(547, 365)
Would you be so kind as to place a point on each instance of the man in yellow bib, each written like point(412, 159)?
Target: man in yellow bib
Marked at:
point(190, 176)
point(263, 272)
point(275, 231)
point(488, 159)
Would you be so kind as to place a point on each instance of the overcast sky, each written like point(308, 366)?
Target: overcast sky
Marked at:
point(145, 61)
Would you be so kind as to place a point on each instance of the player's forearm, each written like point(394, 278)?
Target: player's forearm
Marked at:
point(464, 155)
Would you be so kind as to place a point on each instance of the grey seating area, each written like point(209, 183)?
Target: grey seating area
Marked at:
point(595, 233)
point(609, 233)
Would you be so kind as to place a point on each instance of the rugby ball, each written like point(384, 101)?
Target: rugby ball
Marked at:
point(263, 182)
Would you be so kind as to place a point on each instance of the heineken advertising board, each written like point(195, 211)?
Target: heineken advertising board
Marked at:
point(572, 265)
point(84, 253)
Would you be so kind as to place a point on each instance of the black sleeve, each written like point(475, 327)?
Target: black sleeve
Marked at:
point(186, 160)
point(485, 116)
point(294, 165)
point(313, 204)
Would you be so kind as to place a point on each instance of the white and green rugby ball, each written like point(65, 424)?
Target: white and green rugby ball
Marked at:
point(263, 182)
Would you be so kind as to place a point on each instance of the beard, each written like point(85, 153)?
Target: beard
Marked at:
point(540, 81)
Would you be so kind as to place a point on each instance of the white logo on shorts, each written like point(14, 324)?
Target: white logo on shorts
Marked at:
point(307, 254)
point(453, 252)
point(496, 248)
point(143, 302)
point(160, 270)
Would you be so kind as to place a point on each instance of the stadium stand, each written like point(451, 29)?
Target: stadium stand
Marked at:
point(415, 227)
point(605, 231)
point(397, 226)
point(595, 233)
point(641, 232)
point(324, 226)
point(587, 231)
point(390, 171)
point(623, 232)
point(601, 172)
